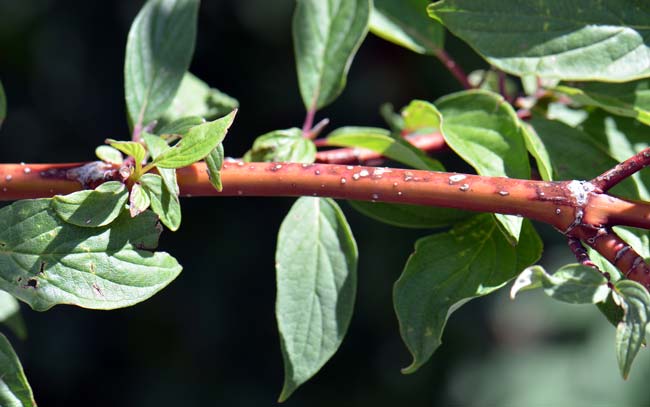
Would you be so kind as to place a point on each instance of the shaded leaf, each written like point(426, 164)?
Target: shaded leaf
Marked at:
point(316, 263)
point(434, 283)
point(410, 216)
point(109, 154)
point(581, 40)
point(197, 98)
point(10, 314)
point(630, 99)
point(46, 261)
point(92, 208)
point(196, 144)
point(326, 35)
point(485, 131)
point(380, 141)
point(156, 146)
point(569, 149)
point(572, 283)
point(14, 388)
point(631, 331)
point(282, 145)
point(180, 126)
point(214, 162)
point(163, 203)
point(158, 52)
point(406, 23)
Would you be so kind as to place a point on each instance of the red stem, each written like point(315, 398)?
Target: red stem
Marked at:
point(454, 68)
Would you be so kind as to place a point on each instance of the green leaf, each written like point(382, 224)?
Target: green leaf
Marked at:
point(630, 99)
point(581, 40)
point(572, 283)
point(537, 149)
point(163, 203)
point(196, 144)
point(622, 138)
point(379, 140)
point(196, 98)
point(158, 52)
point(570, 150)
point(406, 23)
point(157, 146)
point(130, 148)
point(46, 261)
point(485, 131)
point(316, 264)
point(447, 270)
point(109, 154)
point(10, 314)
point(14, 388)
point(180, 126)
point(138, 200)
point(282, 145)
point(326, 35)
point(631, 331)
point(410, 216)
point(394, 120)
point(3, 104)
point(214, 162)
point(421, 115)
point(92, 208)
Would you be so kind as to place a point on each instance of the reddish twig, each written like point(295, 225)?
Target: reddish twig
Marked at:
point(426, 142)
point(611, 177)
point(454, 68)
point(580, 252)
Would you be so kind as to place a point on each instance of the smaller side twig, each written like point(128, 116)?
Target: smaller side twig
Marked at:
point(613, 176)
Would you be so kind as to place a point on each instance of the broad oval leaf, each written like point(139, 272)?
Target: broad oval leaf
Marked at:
point(485, 131)
point(163, 203)
point(14, 387)
point(631, 331)
point(92, 208)
point(326, 35)
point(570, 149)
point(630, 99)
point(447, 270)
point(410, 216)
point(572, 283)
point(580, 40)
point(379, 140)
point(3, 104)
point(316, 264)
point(158, 52)
point(46, 261)
point(282, 145)
point(405, 23)
point(197, 98)
point(196, 144)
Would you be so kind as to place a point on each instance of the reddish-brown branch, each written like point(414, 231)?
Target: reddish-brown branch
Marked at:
point(454, 68)
point(610, 178)
point(426, 142)
point(578, 209)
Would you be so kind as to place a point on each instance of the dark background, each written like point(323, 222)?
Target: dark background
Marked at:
point(210, 337)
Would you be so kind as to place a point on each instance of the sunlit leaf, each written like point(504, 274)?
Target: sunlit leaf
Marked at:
point(158, 52)
point(46, 261)
point(326, 35)
point(214, 162)
point(581, 40)
point(92, 208)
point(14, 388)
point(109, 154)
point(157, 146)
point(130, 148)
point(282, 145)
point(163, 203)
point(138, 200)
